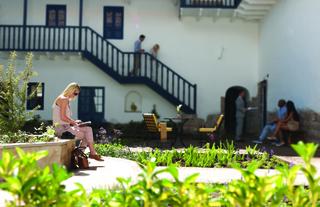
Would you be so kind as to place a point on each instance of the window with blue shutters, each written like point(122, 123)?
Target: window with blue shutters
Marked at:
point(56, 15)
point(113, 22)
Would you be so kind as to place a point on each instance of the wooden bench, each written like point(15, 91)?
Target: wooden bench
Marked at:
point(215, 130)
point(153, 126)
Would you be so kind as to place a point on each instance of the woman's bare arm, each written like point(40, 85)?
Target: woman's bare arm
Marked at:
point(288, 118)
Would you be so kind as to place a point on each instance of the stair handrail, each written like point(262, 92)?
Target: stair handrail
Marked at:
point(146, 53)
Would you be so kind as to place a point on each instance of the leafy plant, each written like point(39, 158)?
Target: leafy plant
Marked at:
point(46, 134)
point(154, 111)
point(253, 190)
point(276, 190)
point(215, 156)
point(306, 152)
point(29, 184)
point(32, 186)
point(13, 93)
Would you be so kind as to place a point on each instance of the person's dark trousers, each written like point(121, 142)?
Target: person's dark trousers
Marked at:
point(136, 64)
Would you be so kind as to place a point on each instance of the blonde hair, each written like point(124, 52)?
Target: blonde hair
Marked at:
point(156, 46)
point(71, 88)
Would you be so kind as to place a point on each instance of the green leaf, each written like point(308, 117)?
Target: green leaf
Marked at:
point(306, 151)
point(192, 178)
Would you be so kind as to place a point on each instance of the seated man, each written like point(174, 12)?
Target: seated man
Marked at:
point(271, 127)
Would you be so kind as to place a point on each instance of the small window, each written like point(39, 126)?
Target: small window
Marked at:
point(38, 96)
point(98, 99)
point(113, 22)
point(56, 15)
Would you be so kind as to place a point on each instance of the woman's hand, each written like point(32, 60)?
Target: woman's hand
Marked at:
point(78, 121)
point(74, 123)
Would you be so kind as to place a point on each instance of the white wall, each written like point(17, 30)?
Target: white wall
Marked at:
point(11, 12)
point(290, 53)
point(189, 46)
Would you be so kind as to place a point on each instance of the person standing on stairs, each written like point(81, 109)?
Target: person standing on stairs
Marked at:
point(154, 50)
point(137, 55)
point(154, 67)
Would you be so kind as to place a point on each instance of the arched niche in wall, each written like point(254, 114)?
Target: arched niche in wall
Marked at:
point(133, 102)
point(230, 107)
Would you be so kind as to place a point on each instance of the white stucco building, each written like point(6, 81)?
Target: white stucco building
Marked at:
point(213, 48)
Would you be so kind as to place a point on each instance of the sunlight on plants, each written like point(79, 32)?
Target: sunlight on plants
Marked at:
point(32, 186)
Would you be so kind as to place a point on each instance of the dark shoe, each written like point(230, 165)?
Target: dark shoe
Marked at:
point(280, 144)
point(96, 157)
point(239, 140)
point(272, 138)
point(257, 141)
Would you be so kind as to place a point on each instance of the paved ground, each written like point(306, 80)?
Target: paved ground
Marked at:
point(104, 174)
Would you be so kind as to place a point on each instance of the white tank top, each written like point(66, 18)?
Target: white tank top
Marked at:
point(56, 119)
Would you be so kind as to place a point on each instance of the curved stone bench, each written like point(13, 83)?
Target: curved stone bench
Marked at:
point(59, 151)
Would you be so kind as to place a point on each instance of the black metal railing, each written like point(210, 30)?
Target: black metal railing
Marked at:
point(105, 55)
point(223, 4)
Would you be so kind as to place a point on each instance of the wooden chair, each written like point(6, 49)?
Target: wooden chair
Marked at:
point(215, 129)
point(154, 126)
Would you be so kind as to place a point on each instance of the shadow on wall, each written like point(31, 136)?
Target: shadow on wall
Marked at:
point(230, 108)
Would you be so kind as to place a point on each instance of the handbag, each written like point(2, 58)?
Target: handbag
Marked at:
point(293, 125)
point(79, 160)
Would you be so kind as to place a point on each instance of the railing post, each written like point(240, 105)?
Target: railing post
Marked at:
point(195, 99)
point(80, 25)
point(25, 11)
point(237, 2)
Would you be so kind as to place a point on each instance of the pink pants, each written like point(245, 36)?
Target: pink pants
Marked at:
point(84, 133)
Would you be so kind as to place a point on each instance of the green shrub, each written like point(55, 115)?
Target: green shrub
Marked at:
point(13, 93)
point(276, 190)
point(31, 185)
point(45, 134)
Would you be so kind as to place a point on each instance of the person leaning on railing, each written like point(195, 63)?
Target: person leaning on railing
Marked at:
point(137, 55)
point(63, 122)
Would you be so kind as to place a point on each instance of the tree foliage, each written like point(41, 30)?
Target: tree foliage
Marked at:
point(13, 94)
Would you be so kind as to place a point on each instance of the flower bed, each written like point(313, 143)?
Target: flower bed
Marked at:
point(215, 156)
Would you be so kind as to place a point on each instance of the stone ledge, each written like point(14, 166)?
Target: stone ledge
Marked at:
point(58, 151)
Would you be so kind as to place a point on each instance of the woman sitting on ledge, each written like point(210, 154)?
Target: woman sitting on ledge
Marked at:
point(63, 122)
point(290, 123)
